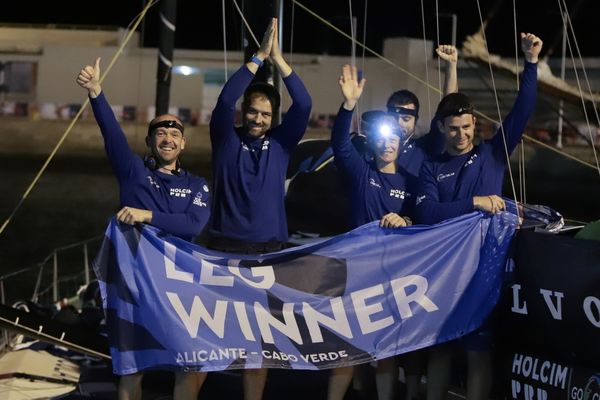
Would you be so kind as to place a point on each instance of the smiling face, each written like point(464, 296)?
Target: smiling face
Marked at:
point(385, 148)
point(258, 115)
point(459, 131)
point(166, 143)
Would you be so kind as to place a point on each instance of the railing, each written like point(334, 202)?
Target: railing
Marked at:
point(70, 269)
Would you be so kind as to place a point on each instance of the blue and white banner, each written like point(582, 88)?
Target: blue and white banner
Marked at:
point(368, 294)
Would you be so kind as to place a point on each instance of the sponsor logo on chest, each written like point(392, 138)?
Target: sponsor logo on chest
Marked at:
point(399, 194)
point(441, 177)
point(153, 182)
point(179, 192)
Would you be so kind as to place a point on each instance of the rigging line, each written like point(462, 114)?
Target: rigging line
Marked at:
point(421, 81)
point(292, 34)
point(53, 338)
point(566, 21)
point(425, 53)
point(76, 117)
point(570, 24)
point(512, 181)
point(437, 32)
point(362, 68)
point(353, 33)
point(376, 54)
point(245, 22)
point(522, 152)
point(224, 40)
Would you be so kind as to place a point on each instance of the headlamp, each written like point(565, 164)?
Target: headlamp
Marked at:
point(169, 123)
point(398, 110)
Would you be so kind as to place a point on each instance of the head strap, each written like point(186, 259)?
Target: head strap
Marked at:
point(168, 123)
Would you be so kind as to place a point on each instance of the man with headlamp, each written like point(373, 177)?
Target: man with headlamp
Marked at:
point(155, 191)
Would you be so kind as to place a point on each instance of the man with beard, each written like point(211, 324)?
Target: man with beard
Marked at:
point(250, 163)
point(155, 191)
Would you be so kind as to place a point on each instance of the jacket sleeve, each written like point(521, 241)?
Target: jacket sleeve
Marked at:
point(190, 223)
point(428, 208)
point(295, 121)
point(117, 149)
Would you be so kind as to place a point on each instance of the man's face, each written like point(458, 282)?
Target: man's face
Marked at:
point(166, 143)
point(385, 148)
point(407, 122)
point(258, 116)
point(459, 131)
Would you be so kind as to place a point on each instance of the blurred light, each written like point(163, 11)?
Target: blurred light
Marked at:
point(185, 70)
point(384, 130)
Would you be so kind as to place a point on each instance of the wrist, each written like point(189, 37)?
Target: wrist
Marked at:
point(349, 105)
point(94, 91)
point(262, 56)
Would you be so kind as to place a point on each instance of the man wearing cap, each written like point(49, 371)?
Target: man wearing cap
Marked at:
point(250, 163)
point(468, 177)
point(155, 191)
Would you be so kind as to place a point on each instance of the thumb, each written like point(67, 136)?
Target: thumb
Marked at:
point(97, 66)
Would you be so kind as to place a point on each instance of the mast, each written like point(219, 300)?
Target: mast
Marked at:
point(166, 41)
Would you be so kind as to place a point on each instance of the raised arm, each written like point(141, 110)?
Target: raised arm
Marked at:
point(346, 155)
point(449, 54)
point(223, 116)
point(117, 149)
point(515, 122)
point(294, 123)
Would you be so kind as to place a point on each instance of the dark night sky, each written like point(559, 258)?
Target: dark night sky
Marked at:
point(199, 23)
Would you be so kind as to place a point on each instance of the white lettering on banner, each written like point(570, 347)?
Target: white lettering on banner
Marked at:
point(544, 371)
point(265, 272)
point(265, 320)
point(555, 309)
point(198, 312)
point(212, 274)
point(171, 270)
point(516, 308)
point(225, 353)
point(339, 322)
point(417, 296)
point(242, 316)
point(587, 309)
point(207, 276)
point(364, 311)
point(365, 308)
point(527, 391)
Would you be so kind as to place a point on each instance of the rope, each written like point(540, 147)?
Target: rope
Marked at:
point(512, 182)
point(567, 21)
point(76, 118)
point(418, 79)
point(425, 53)
point(522, 194)
point(246, 22)
point(224, 40)
point(362, 68)
point(292, 33)
point(353, 33)
point(437, 34)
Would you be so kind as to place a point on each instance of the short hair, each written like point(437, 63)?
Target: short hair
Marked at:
point(454, 104)
point(172, 122)
point(403, 97)
point(265, 89)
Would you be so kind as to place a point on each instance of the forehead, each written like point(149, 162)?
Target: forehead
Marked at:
point(260, 102)
point(459, 120)
point(410, 106)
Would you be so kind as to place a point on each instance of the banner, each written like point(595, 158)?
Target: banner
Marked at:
point(368, 294)
point(553, 305)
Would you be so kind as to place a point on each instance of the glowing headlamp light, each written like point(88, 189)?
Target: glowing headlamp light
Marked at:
point(384, 130)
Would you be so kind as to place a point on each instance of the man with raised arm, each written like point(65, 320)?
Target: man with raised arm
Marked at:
point(468, 177)
point(250, 163)
point(155, 191)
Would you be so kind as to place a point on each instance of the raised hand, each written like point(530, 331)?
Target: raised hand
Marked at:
point(267, 41)
point(447, 52)
point(275, 49)
point(351, 87)
point(531, 46)
point(89, 78)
